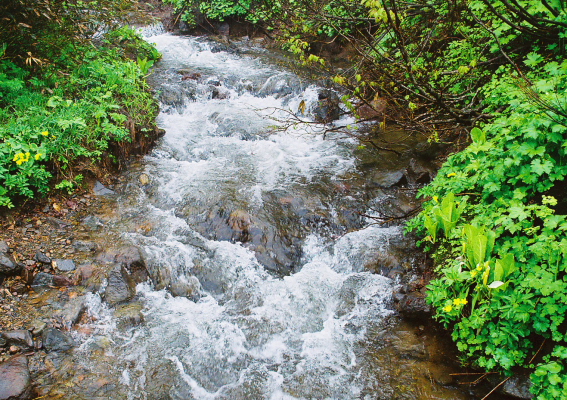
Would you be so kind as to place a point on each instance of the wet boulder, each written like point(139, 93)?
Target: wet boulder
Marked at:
point(518, 387)
point(327, 108)
point(8, 265)
point(45, 279)
point(412, 305)
point(132, 258)
point(129, 315)
point(20, 337)
point(120, 287)
point(15, 380)
point(189, 287)
point(56, 340)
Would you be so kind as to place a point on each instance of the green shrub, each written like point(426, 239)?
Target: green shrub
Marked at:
point(502, 284)
point(68, 113)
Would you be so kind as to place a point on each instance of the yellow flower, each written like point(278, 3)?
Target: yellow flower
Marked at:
point(451, 174)
point(20, 158)
point(474, 273)
point(448, 308)
point(460, 302)
point(38, 156)
point(45, 133)
point(436, 199)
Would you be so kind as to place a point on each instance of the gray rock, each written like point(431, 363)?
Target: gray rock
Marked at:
point(386, 179)
point(518, 386)
point(101, 190)
point(43, 279)
point(93, 223)
point(64, 265)
point(129, 315)
point(83, 245)
point(72, 311)
point(37, 326)
point(120, 286)
point(327, 108)
point(15, 380)
point(4, 248)
point(412, 305)
point(42, 258)
point(8, 265)
point(20, 337)
point(186, 287)
point(131, 257)
point(55, 340)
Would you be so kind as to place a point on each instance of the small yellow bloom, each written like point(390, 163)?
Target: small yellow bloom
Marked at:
point(45, 133)
point(460, 302)
point(451, 174)
point(448, 308)
point(436, 199)
point(38, 156)
point(474, 273)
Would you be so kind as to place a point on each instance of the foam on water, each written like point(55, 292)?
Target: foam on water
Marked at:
point(251, 334)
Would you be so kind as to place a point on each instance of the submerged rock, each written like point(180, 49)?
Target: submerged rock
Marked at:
point(15, 380)
point(186, 287)
point(129, 315)
point(55, 340)
point(120, 286)
point(72, 311)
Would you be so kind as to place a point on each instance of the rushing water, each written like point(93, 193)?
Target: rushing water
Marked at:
point(257, 257)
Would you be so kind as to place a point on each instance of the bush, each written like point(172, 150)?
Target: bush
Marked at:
point(68, 112)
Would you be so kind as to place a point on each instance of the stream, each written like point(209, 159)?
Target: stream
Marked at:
point(262, 267)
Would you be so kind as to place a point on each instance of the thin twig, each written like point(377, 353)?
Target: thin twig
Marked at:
point(496, 387)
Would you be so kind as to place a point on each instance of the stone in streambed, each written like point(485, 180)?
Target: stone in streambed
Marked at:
point(64, 265)
point(129, 315)
point(132, 259)
point(55, 340)
point(15, 380)
point(20, 337)
point(42, 258)
point(45, 279)
point(72, 311)
point(4, 248)
point(186, 287)
point(101, 190)
point(8, 265)
point(120, 286)
point(82, 245)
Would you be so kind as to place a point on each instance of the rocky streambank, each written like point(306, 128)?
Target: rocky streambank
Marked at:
point(48, 264)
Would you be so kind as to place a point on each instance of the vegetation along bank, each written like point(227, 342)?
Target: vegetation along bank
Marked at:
point(489, 77)
point(73, 98)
